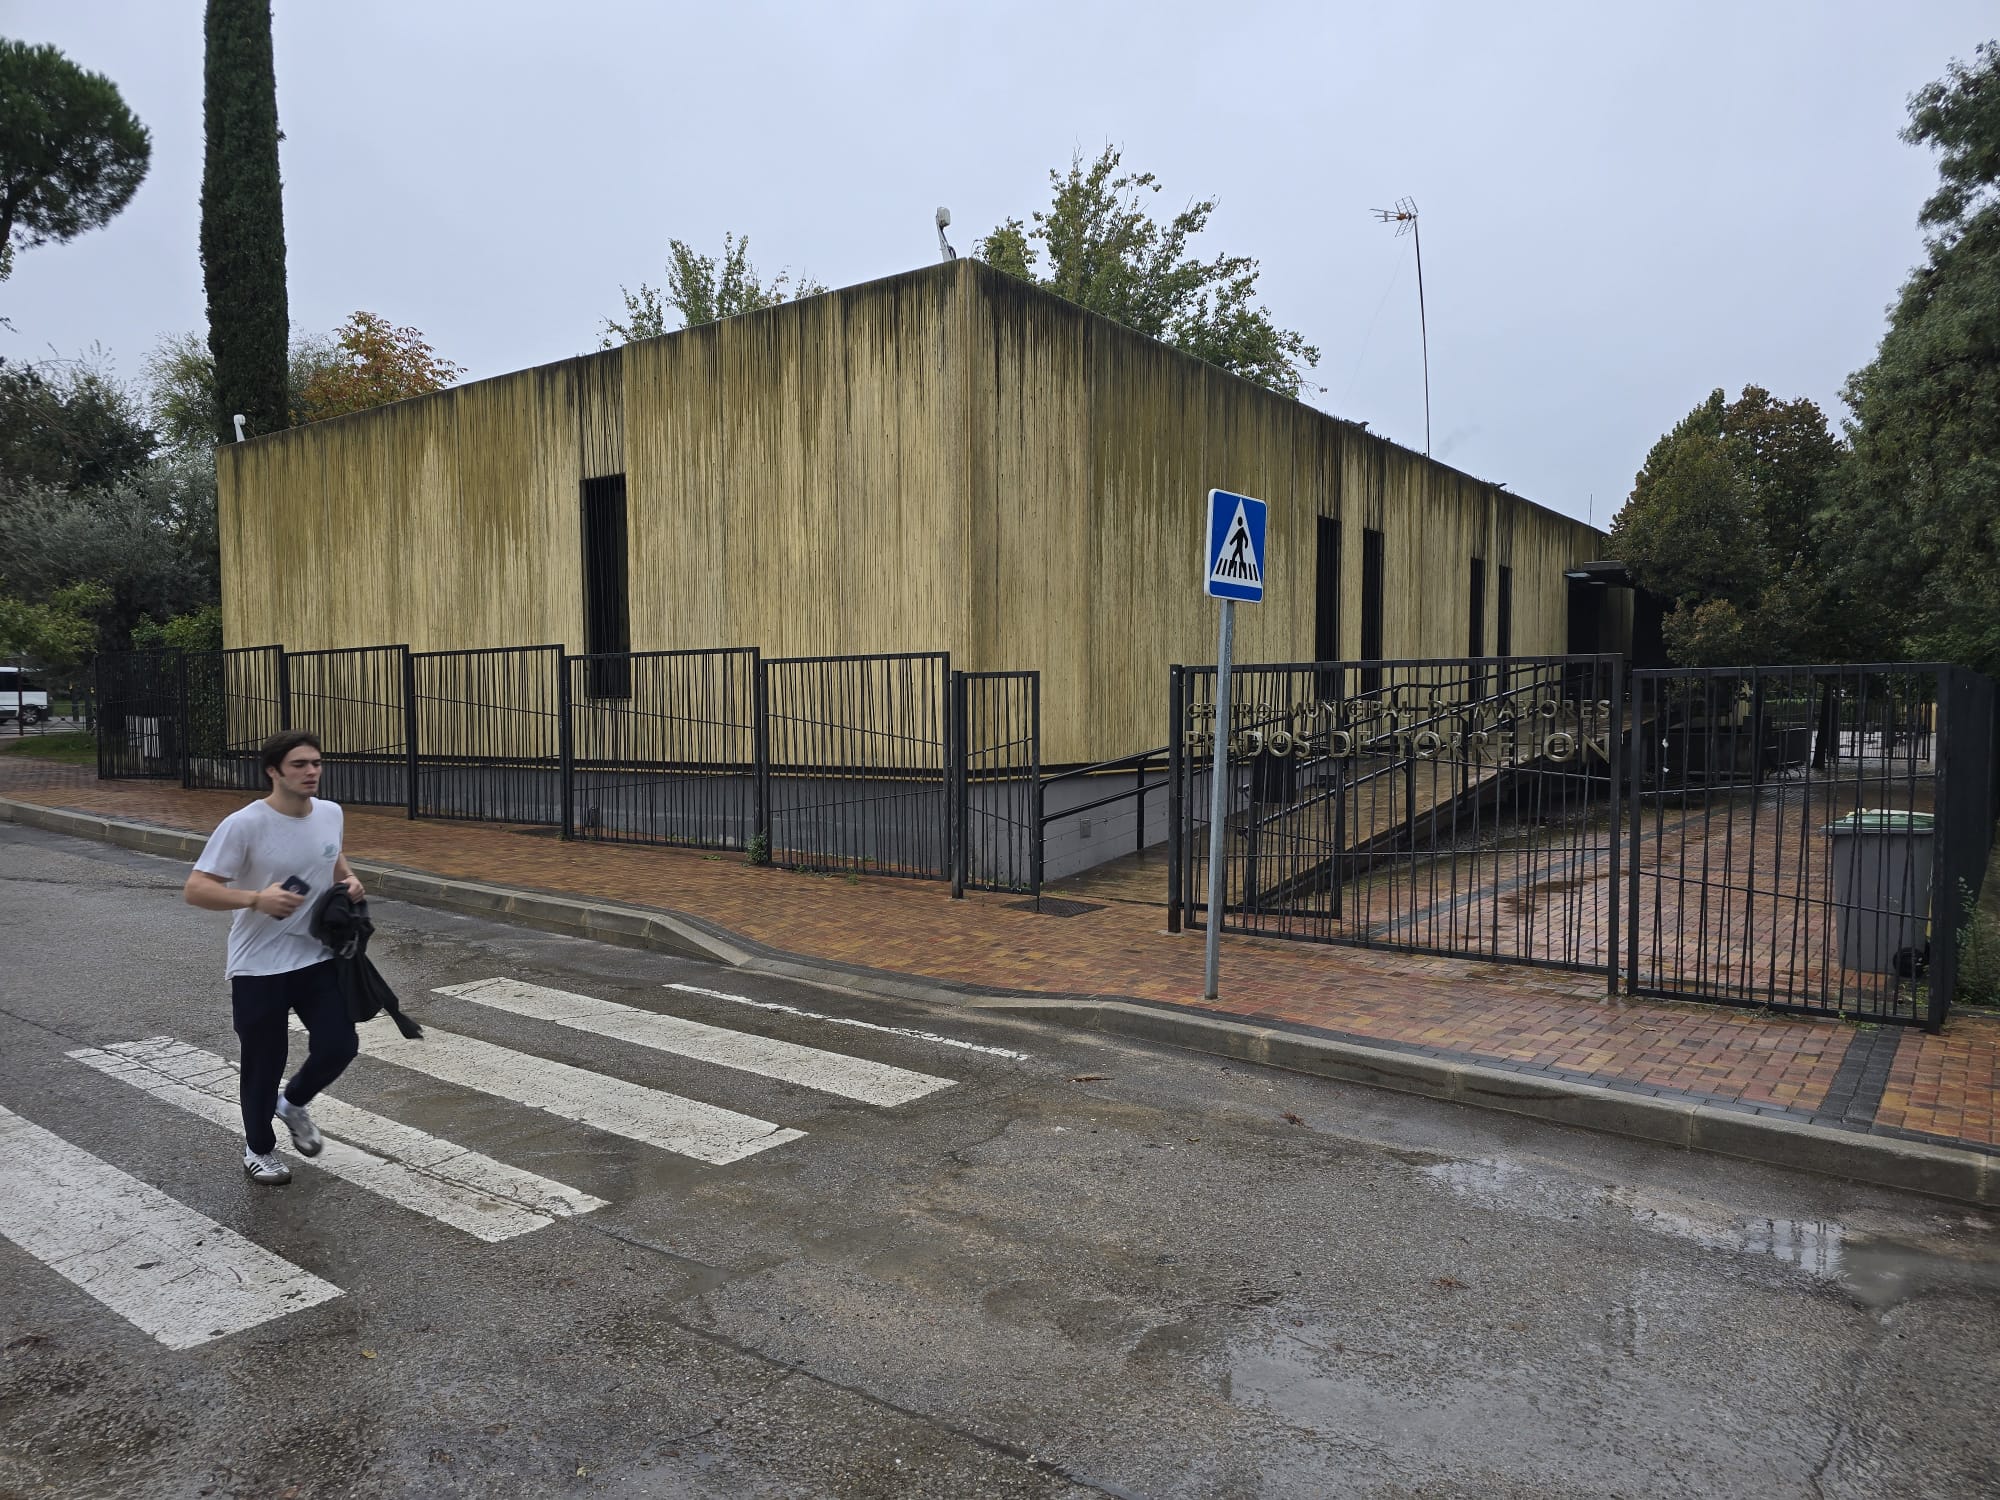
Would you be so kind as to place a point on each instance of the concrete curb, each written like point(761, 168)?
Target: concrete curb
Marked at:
point(1912, 1166)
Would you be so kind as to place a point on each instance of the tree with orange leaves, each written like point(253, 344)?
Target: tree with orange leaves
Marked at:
point(375, 363)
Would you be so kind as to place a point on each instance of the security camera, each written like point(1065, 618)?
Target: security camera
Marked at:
point(943, 218)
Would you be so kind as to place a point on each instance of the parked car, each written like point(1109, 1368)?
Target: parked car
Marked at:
point(22, 696)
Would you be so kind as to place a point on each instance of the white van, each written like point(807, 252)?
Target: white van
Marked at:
point(22, 696)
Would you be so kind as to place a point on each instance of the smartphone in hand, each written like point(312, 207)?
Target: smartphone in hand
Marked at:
point(295, 885)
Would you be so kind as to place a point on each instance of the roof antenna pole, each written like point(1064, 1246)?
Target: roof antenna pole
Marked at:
point(1404, 217)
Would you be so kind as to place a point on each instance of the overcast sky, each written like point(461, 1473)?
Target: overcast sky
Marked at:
point(1623, 206)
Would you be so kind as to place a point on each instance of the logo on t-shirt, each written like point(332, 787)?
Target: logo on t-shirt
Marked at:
point(328, 852)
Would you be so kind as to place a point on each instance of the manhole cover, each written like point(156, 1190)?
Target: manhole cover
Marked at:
point(1055, 906)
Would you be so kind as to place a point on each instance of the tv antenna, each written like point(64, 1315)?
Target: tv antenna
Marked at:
point(1404, 217)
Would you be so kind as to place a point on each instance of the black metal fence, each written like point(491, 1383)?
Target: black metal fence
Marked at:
point(1803, 838)
point(665, 747)
point(832, 763)
point(141, 698)
point(233, 701)
point(858, 762)
point(1808, 838)
point(1463, 807)
point(485, 734)
point(997, 790)
point(357, 700)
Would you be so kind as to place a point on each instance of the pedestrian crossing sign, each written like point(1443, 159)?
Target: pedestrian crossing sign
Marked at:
point(1235, 547)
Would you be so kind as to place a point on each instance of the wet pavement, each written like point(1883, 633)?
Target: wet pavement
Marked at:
point(1889, 1081)
point(1084, 1267)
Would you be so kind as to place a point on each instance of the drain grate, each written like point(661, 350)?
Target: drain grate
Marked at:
point(1055, 906)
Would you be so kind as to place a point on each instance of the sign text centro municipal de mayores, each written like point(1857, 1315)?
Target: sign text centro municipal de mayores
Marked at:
point(1494, 733)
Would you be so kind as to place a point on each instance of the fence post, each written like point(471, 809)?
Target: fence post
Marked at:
point(410, 730)
point(1614, 737)
point(1035, 779)
point(760, 740)
point(284, 689)
point(565, 746)
point(956, 738)
point(1945, 912)
point(1636, 774)
point(1176, 768)
point(180, 718)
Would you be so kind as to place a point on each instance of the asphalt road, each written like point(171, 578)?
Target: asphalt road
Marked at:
point(1095, 1268)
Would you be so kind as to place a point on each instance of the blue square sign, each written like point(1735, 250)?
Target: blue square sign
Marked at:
point(1234, 566)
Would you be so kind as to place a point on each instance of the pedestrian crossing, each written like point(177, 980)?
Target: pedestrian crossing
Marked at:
point(169, 1271)
point(186, 1279)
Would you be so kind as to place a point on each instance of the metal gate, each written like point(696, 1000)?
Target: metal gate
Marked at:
point(996, 796)
point(355, 701)
point(140, 705)
point(1807, 838)
point(486, 734)
point(1464, 806)
point(859, 760)
point(235, 700)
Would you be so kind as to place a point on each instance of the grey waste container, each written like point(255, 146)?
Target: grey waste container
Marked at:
point(1882, 888)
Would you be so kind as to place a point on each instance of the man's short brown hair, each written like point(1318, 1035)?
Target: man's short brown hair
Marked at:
point(279, 745)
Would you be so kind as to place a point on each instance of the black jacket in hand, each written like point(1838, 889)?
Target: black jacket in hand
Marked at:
point(341, 922)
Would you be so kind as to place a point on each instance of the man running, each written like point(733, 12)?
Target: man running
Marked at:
point(267, 863)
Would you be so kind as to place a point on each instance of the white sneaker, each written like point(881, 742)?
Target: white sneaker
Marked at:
point(265, 1168)
point(305, 1134)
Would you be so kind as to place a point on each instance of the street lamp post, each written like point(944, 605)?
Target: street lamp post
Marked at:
point(1404, 217)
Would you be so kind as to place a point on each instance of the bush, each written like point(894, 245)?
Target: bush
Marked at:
point(1978, 957)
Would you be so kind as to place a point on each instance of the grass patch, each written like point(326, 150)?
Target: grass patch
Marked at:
point(75, 747)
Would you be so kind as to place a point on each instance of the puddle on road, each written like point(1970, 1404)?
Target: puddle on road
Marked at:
point(1816, 1247)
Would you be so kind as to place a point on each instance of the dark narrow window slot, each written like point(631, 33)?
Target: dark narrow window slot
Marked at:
point(1326, 592)
point(1475, 635)
point(1503, 640)
point(1371, 608)
point(607, 608)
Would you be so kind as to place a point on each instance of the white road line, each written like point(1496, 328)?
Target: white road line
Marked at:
point(167, 1270)
point(828, 1072)
point(685, 1127)
point(486, 1199)
point(813, 1015)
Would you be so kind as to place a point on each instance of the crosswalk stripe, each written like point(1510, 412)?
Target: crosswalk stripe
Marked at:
point(427, 1174)
point(828, 1072)
point(169, 1271)
point(654, 1117)
point(813, 1015)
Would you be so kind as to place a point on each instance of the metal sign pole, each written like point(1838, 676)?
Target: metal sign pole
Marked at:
point(1218, 797)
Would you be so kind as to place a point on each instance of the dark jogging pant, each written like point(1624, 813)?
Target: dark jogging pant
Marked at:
point(261, 1004)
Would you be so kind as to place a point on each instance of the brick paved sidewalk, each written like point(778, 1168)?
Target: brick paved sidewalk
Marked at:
point(1886, 1080)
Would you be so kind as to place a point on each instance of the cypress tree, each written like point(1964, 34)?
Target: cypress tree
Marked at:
point(243, 220)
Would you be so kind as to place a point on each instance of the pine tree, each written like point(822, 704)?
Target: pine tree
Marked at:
point(243, 220)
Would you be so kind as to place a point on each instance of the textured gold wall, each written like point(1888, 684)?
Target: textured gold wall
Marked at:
point(943, 460)
point(1093, 451)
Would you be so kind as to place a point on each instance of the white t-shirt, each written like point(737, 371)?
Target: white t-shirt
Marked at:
point(257, 846)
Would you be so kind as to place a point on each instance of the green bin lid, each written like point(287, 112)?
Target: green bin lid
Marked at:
point(1883, 820)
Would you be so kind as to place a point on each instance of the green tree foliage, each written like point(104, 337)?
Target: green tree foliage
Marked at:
point(71, 154)
point(180, 384)
point(68, 424)
point(1105, 252)
point(148, 538)
point(1723, 519)
point(243, 219)
point(701, 289)
point(199, 630)
point(60, 633)
point(1919, 523)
